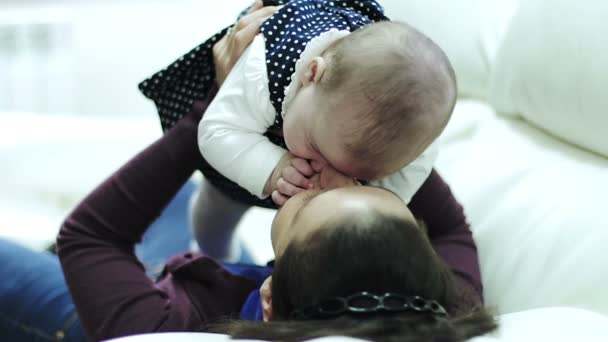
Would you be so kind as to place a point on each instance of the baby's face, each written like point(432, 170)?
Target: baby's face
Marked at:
point(311, 131)
point(304, 132)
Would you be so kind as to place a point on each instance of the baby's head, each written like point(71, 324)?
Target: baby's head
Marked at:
point(372, 102)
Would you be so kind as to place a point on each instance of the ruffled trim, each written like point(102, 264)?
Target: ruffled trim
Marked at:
point(313, 49)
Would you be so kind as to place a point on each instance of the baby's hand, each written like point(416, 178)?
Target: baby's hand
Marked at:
point(294, 178)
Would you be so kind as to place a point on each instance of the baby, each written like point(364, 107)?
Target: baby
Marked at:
point(344, 88)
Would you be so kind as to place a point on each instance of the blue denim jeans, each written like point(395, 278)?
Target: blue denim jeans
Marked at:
point(35, 304)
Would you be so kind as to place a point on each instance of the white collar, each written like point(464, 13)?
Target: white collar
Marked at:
point(313, 49)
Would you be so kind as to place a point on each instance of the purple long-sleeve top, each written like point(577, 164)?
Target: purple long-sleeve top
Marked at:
point(114, 296)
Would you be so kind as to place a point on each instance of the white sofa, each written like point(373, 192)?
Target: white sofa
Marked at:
point(526, 153)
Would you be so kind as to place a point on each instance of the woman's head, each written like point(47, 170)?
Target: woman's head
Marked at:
point(308, 213)
point(348, 240)
point(372, 102)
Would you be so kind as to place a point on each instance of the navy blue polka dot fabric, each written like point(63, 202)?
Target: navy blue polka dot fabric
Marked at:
point(175, 88)
point(298, 22)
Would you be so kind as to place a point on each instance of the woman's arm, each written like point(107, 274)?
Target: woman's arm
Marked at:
point(111, 292)
point(449, 233)
point(109, 287)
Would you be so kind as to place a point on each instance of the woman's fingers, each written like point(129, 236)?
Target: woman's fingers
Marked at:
point(254, 17)
point(222, 60)
point(256, 5)
point(230, 47)
point(243, 37)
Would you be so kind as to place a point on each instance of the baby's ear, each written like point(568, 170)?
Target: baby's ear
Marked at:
point(314, 71)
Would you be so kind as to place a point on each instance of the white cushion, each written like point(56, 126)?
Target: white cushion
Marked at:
point(537, 208)
point(469, 31)
point(552, 69)
point(547, 324)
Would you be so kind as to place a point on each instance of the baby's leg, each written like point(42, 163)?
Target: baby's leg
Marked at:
point(214, 217)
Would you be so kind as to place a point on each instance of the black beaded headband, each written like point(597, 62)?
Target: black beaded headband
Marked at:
point(366, 303)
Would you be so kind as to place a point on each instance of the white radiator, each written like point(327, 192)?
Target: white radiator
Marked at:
point(36, 65)
point(88, 57)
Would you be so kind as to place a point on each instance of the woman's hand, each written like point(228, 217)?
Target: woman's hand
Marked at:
point(228, 49)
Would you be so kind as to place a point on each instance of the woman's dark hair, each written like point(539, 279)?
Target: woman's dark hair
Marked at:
point(371, 252)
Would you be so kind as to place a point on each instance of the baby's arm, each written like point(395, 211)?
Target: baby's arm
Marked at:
point(230, 134)
point(406, 182)
point(289, 177)
point(300, 174)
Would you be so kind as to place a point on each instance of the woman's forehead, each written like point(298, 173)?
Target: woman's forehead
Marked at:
point(351, 200)
point(314, 212)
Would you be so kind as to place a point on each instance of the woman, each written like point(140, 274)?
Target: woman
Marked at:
point(330, 248)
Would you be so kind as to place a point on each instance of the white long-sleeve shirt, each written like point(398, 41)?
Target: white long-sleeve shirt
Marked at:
point(231, 132)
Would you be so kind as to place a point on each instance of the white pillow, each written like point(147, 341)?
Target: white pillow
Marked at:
point(537, 209)
point(469, 31)
point(552, 69)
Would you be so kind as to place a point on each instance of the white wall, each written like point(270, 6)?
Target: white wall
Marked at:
point(87, 57)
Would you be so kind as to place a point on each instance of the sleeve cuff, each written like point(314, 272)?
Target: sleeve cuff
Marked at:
point(266, 158)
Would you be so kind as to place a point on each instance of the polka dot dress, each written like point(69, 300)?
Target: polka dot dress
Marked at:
point(175, 88)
